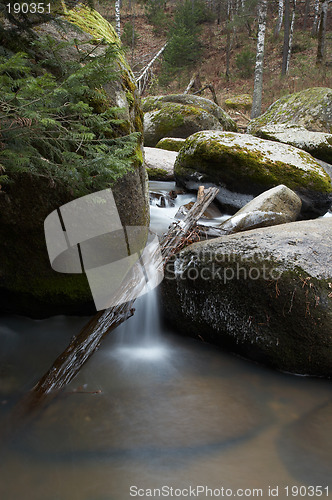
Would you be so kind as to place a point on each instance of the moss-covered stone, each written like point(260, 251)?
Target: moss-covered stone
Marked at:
point(310, 108)
point(242, 102)
point(246, 164)
point(318, 144)
point(28, 285)
point(170, 143)
point(176, 120)
point(153, 103)
point(160, 164)
point(264, 294)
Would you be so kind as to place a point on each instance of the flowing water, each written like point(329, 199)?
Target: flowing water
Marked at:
point(151, 410)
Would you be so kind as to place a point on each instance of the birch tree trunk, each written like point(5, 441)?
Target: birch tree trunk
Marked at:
point(280, 17)
point(117, 18)
point(315, 24)
point(290, 43)
point(258, 84)
point(322, 34)
point(286, 37)
point(228, 39)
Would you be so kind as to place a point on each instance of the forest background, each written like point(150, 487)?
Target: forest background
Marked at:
point(213, 44)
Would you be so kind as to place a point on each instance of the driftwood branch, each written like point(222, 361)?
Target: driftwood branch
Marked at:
point(81, 348)
point(143, 78)
point(213, 92)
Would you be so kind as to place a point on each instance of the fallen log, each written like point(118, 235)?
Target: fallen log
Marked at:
point(81, 348)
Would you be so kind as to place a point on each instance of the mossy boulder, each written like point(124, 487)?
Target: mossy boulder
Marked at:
point(245, 166)
point(153, 103)
point(318, 144)
point(170, 143)
point(160, 164)
point(310, 108)
point(264, 293)
point(28, 285)
point(241, 102)
point(176, 120)
point(181, 115)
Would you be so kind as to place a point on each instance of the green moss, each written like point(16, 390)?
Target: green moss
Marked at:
point(310, 108)
point(157, 174)
point(170, 144)
point(168, 119)
point(243, 101)
point(151, 103)
point(235, 166)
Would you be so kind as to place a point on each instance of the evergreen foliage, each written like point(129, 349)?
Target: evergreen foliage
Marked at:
point(154, 10)
point(245, 62)
point(184, 47)
point(129, 35)
point(63, 128)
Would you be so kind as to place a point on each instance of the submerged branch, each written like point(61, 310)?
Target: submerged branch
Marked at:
point(82, 347)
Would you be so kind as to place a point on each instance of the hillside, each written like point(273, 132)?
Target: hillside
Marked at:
point(212, 65)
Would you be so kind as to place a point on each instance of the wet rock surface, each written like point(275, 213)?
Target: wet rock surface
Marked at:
point(265, 293)
point(245, 166)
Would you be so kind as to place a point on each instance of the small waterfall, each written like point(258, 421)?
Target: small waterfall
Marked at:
point(140, 337)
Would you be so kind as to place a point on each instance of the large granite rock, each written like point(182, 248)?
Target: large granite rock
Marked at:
point(244, 166)
point(318, 144)
point(265, 294)
point(181, 115)
point(160, 164)
point(278, 205)
point(310, 108)
point(28, 285)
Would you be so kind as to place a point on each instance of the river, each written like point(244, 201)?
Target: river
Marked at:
point(153, 410)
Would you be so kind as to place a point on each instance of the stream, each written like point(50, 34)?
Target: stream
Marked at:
point(153, 410)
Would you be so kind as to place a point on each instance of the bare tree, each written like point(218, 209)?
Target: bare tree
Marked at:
point(306, 13)
point(288, 34)
point(118, 18)
point(258, 84)
point(280, 17)
point(322, 33)
point(291, 36)
point(315, 23)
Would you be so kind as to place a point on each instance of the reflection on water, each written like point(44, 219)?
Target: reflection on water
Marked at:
point(152, 409)
point(173, 412)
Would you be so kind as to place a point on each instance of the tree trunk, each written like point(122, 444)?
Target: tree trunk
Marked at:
point(280, 17)
point(228, 38)
point(117, 18)
point(316, 18)
point(322, 34)
point(258, 84)
point(306, 14)
point(291, 36)
point(286, 37)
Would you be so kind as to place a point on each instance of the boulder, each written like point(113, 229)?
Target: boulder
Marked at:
point(28, 285)
point(265, 294)
point(245, 166)
point(278, 205)
point(318, 144)
point(310, 108)
point(171, 143)
point(241, 102)
point(160, 164)
point(152, 103)
point(180, 116)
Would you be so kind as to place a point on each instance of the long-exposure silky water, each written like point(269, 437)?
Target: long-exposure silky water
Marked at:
point(140, 337)
point(153, 414)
